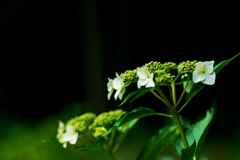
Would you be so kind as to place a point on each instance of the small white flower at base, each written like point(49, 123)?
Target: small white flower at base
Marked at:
point(145, 78)
point(118, 84)
point(69, 136)
point(110, 88)
point(204, 73)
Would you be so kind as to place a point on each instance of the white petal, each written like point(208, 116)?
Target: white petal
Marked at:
point(74, 139)
point(209, 66)
point(210, 79)
point(146, 71)
point(142, 82)
point(65, 145)
point(150, 83)
point(141, 73)
point(197, 77)
point(110, 94)
point(122, 92)
point(70, 129)
point(119, 78)
point(200, 66)
point(116, 83)
point(151, 75)
point(110, 84)
point(117, 93)
point(66, 138)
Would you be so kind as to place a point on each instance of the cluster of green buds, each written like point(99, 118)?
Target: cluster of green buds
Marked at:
point(82, 123)
point(186, 67)
point(105, 121)
point(87, 124)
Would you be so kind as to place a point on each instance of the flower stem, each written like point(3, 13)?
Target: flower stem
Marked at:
point(112, 156)
point(173, 92)
point(160, 98)
point(163, 96)
point(179, 100)
point(176, 118)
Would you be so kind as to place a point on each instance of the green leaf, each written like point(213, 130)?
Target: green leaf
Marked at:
point(158, 142)
point(202, 127)
point(222, 64)
point(142, 89)
point(134, 114)
point(119, 136)
point(196, 132)
point(139, 95)
point(97, 146)
point(188, 153)
point(198, 86)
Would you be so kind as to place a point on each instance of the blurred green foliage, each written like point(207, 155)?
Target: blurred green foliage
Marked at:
point(23, 140)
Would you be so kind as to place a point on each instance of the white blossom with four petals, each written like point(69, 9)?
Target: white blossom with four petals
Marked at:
point(69, 136)
point(145, 78)
point(204, 72)
point(118, 85)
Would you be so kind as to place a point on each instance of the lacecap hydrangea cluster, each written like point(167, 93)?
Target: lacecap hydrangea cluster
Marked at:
point(149, 75)
point(87, 123)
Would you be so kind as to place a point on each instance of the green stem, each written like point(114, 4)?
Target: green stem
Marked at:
point(170, 91)
point(109, 149)
point(163, 96)
point(176, 118)
point(111, 139)
point(179, 100)
point(160, 98)
point(112, 156)
point(173, 92)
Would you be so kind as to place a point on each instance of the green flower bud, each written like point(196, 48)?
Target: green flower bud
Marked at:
point(105, 120)
point(82, 123)
point(186, 67)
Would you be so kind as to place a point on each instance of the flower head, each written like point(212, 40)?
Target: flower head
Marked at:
point(204, 73)
point(82, 122)
point(118, 84)
point(145, 78)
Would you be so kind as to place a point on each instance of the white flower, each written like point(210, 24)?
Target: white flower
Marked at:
point(110, 88)
point(204, 73)
point(69, 136)
point(145, 78)
point(118, 84)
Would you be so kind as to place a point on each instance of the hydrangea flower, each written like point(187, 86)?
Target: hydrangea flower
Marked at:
point(204, 73)
point(145, 78)
point(110, 88)
point(118, 84)
point(69, 136)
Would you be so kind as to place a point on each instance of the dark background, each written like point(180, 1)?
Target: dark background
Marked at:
point(56, 53)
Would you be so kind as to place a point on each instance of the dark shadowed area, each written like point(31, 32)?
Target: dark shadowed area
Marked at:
point(56, 57)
